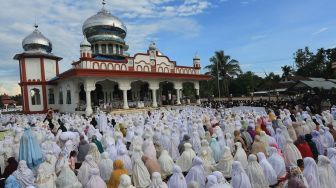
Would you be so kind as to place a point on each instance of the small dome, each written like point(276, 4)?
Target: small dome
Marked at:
point(36, 41)
point(85, 43)
point(196, 57)
point(152, 46)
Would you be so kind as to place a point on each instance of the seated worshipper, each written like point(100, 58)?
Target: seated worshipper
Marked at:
point(239, 176)
point(207, 164)
point(118, 170)
point(177, 179)
point(105, 167)
point(312, 145)
point(67, 179)
point(12, 165)
point(211, 182)
point(22, 176)
point(255, 173)
point(326, 172)
point(296, 179)
point(73, 160)
point(186, 139)
point(125, 182)
point(148, 147)
point(151, 165)
point(84, 170)
point(95, 180)
point(303, 147)
point(98, 144)
point(166, 164)
point(268, 170)
point(291, 153)
point(216, 150)
point(94, 152)
point(311, 172)
point(225, 163)
point(193, 184)
point(331, 153)
point(157, 181)
point(83, 149)
point(238, 138)
point(196, 173)
point(185, 160)
point(46, 174)
point(222, 183)
point(277, 163)
point(30, 150)
point(140, 176)
point(125, 158)
point(258, 146)
point(317, 139)
point(240, 155)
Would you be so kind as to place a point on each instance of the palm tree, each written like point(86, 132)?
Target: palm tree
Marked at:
point(223, 68)
point(286, 71)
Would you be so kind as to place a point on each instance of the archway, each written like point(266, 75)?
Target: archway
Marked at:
point(188, 92)
point(167, 93)
point(139, 94)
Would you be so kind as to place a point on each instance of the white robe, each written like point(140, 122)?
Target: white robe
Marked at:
point(277, 162)
point(67, 179)
point(140, 176)
point(105, 167)
point(327, 174)
point(291, 153)
point(255, 173)
point(311, 173)
point(225, 163)
point(240, 155)
point(177, 179)
point(166, 164)
point(157, 181)
point(185, 160)
point(84, 170)
point(95, 180)
point(268, 170)
point(239, 176)
point(125, 182)
point(46, 174)
point(196, 173)
point(332, 156)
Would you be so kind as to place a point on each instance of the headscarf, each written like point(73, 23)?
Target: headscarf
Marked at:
point(125, 182)
point(151, 165)
point(212, 182)
point(240, 155)
point(196, 173)
point(221, 180)
point(326, 172)
point(185, 160)
point(46, 173)
point(239, 176)
point(177, 179)
point(67, 178)
point(331, 153)
point(216, 150)
point(268, 170)
point(105, 167)
point(225, 163)
point(24, 175)
point(258, 146)
point(157, 181)
point(311, 172)
point(277, 162)
point(98, 144)
point(84, 170)
point(140, 176)
point(291, 153)
point(255, 173)
point(125, 158)
point(118, 170)
point(95, 180)
point(30, 151)
point(94, 152)
point(166, 164)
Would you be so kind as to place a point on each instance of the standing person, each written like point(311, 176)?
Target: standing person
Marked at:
point(30, 151)
point(73, 160)
point(83, 149)
point(303, 147)
point(311, 172)
point(239, 176)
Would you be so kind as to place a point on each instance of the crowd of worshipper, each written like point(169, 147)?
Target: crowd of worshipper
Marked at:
point(180, 147)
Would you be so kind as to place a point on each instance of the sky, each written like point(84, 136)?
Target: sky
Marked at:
point(261, 34)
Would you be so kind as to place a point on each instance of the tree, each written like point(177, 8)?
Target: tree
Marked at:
point(286, 71)
point(224, 68)
point(245, 83)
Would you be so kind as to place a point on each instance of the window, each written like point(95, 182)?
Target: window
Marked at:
point(35, 96)
point(117, 49)
point(110, 49)
point(68, 95)
point(96, 49)
point(51, 97)
point(60, 99)
point(103, 48)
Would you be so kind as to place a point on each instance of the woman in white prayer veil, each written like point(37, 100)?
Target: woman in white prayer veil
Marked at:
point(94, 152)
point(105, 167)
point(165, 138)
point(177, 180)
point(311, 172)
point(216, 150)
point(157, 181)
point(326, 173)
point(331, 153)
point(95, 180)
point(196, 142)
point(185, 160)
point(126, 159)
point(67, 178)
point(166, 164)
point(225, 163)
point(84, 170)
point(46, 174)
point(207, 164)
point(140, 176)
point(148, 147)
point(255, 173)
point(206, 147)
point(221, 180)
point(196, 173)
point(239, 176)
point(212, 182)
point(173, 145)
point(229, 141)
point(277, 162)
point(194, 184)
point(280, 139)
point(268, 170)
point(125, 182)
point(291, 153)
point(24, 175)
point(240, 155)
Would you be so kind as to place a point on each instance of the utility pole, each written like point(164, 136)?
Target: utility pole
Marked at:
point(218, 82)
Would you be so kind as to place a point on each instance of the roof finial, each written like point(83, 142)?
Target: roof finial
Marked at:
point(35, 24)
point(104, 3)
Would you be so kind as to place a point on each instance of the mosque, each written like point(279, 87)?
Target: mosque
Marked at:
point(105, 75)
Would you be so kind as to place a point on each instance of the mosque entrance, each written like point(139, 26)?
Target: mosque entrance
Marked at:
point(188, 93)
point(167, 93)
point(140, 94)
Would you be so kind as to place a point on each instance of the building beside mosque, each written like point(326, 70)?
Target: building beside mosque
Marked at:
point(105, 75)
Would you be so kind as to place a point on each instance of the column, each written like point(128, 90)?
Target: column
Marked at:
point(178, 101)
point(125, 99)
point(199, 99)
point(154, 86)
point(154, 104)
point(88, 109)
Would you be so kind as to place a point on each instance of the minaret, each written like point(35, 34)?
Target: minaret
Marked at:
point(85, 48)
point(197, 63)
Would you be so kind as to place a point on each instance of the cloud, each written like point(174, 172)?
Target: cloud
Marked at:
point(61, 21)
point(321, 31)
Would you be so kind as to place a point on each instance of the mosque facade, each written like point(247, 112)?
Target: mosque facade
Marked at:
point(105, 75)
